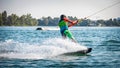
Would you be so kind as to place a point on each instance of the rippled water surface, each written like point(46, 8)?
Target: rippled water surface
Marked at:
point(25, 47)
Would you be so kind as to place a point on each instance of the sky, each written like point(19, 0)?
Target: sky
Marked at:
point(54, 8)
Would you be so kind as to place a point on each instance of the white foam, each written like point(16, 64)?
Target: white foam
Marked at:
point(49, 48)
point(50, 28)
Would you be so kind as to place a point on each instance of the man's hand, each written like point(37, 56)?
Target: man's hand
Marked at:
point(73, 23)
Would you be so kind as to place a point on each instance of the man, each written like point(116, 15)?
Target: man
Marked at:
point(64, 23)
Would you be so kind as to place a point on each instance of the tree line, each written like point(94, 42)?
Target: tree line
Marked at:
point(14, 20)
point(48, 21)
point(27, 20)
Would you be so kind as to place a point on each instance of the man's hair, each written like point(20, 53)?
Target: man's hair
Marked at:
point(62, 16)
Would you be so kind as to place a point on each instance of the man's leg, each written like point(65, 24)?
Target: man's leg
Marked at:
point(69, 35)
point(73, 40)
point(63, 35)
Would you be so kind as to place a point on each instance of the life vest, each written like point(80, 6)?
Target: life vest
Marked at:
point(63, 25)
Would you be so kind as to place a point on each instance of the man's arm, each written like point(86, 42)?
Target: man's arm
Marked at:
point(71, 22)
point(67, 20)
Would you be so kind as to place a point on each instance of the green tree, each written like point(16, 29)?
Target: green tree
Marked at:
point(22, 20)
point(45, 20)
point(1, 21)
point(13, 20)
point(34, 22)
point(27, 20)
point(100, 23)
point(4, 17)
point(30, 21)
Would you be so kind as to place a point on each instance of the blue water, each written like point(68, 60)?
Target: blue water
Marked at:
point(25, 47)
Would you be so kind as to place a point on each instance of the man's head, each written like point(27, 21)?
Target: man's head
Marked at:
point(62, 16)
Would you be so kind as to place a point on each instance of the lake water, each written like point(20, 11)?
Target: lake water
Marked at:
point(25, 47)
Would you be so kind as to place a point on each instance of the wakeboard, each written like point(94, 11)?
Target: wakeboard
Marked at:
point(79, 52)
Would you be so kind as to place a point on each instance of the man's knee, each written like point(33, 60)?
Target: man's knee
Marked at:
point(68, 34)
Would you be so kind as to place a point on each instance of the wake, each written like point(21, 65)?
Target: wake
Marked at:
point(48, 48)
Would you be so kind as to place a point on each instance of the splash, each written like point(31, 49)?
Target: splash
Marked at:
point(49, 48)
